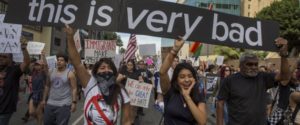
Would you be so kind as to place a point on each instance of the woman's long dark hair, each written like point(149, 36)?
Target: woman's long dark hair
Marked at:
point(116, 88)
point(174, 81)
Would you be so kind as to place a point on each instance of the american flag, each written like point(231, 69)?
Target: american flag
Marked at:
point(131, 48)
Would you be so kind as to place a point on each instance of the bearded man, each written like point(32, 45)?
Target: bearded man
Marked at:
point(245, 92)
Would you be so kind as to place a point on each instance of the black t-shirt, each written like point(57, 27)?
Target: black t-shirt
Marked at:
point(146, 74)
point(175, 112)
point(9, 94)
point(246, 98)
point(284, 94)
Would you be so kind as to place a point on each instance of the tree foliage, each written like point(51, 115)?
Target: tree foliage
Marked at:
point(113, 36)
point(287, 14)
point(228, 52)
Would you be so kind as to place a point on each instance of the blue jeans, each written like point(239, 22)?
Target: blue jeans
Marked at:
point(56, 115)
point(4, 118)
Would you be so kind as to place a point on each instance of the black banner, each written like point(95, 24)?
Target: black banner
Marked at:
point(154, 18)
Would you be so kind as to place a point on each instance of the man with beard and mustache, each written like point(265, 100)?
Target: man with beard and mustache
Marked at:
point(60, 93)
point(9, 82)
point(245, 92)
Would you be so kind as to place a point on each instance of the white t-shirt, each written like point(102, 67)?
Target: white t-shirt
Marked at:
point(91, 112)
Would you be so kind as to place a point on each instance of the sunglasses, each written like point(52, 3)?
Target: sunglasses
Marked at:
point(251, 64)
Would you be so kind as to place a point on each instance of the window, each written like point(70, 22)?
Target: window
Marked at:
point(248, 14)
point(203, 5)
point(57, 41)
point(249, 6)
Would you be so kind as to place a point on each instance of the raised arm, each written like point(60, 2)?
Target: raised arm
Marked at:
point(26, 61)
point(284, 66)
point(163, 72)
point(82, 73)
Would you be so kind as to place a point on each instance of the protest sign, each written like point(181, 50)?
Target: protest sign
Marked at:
point(77, 41)
point(51, 61)
point(155, 18)
point(220, 60)
point(96, 49)
point(18, 57)
point(139, 93)
point(147, 49)
point(9, 37)
point(35, 48)
point(211, 82)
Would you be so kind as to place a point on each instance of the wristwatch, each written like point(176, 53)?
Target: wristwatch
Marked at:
point(74, 102)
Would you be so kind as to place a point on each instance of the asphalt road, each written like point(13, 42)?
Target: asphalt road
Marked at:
point(151, 117)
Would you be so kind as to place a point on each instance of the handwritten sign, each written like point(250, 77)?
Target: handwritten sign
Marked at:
point(139, 93)
point(211, 83)
point(18, 57)
point(9, 37)
point(220, 60)
point(51, 61)
point(35, 48)
point(77, 41)
point(96, 49)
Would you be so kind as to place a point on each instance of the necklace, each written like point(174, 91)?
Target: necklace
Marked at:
point(184, 104)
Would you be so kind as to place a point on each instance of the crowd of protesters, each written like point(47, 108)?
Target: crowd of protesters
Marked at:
point(251, 94)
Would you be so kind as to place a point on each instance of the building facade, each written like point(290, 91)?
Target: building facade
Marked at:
point(251, 7)
point(226, 6)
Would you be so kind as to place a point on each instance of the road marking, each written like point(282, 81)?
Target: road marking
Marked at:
point(78, 120)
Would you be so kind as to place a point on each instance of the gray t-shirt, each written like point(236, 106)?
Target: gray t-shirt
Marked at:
point(246, 98)
point(60, 91)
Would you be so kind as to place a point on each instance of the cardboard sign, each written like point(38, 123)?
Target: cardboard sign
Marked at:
point(147, 49)
point(155, 18)
point(51, 61)
point(96, 49)
point(18, 57)
point(139, 93)
point(220, 60)
point(9, 37)
point(35, 48)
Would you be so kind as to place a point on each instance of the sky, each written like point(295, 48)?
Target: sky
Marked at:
point(143, 39)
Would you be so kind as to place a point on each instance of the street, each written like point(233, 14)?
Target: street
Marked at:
point(151, 117)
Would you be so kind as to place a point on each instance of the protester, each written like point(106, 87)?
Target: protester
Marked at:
point(281, 101)
point(245, 92)
point(184, 105)
point(60, 93)
point(130, 71)
point(104, 97)
point(224, 73)
point(9, 82)
point(39, 76)
point(147, 78)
